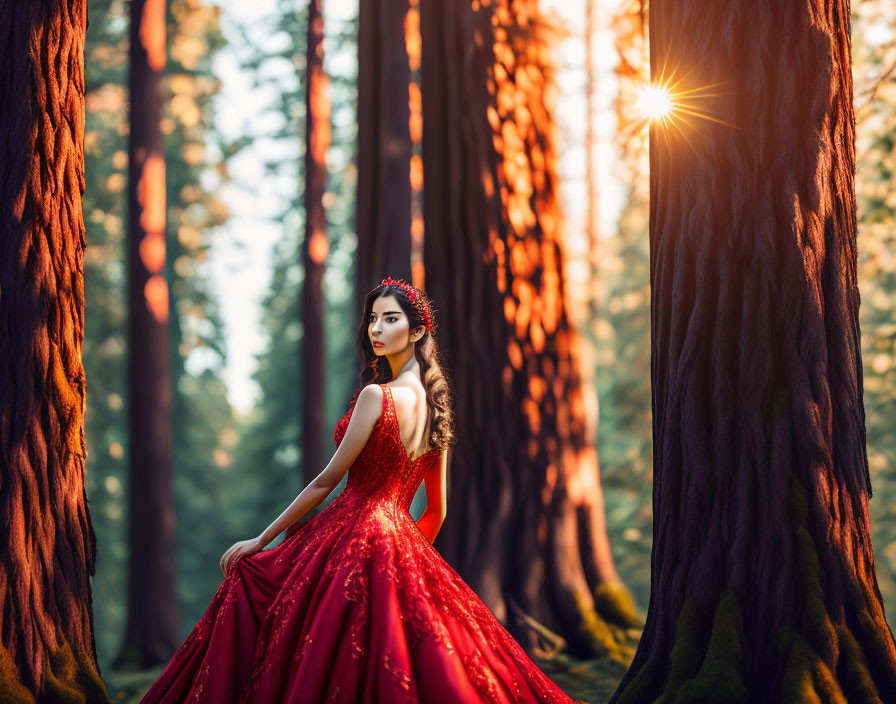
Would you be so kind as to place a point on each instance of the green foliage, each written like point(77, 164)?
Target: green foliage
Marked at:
point(104, 349)
point(873, 51)
point(204, 430)
point(272, 437)
point(621, 336)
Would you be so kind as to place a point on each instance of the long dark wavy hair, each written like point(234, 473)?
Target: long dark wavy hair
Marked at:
point(376, 369)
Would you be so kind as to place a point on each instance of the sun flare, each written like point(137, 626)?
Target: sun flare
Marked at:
point(674, 107)
point(654, 102)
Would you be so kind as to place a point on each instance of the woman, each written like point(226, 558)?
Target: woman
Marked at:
point(355, 605)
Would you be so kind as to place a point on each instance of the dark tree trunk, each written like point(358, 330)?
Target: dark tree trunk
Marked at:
point(152, 630)
point(763, 586)
point(384, 145)
point(47, 643)
point(525, 523)
point(315, 246)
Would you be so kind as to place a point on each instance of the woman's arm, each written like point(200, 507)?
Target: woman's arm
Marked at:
point(368, 408)
point(436, 482)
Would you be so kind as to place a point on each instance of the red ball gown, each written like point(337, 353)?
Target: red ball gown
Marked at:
point(354, 606)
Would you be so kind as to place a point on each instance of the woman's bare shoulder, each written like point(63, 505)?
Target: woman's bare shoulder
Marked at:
point(370, 399)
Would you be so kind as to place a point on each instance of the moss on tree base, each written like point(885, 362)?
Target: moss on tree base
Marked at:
point(822, 661)
point(66, 680)
point(612, 625)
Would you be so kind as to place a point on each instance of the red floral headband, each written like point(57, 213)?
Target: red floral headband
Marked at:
point(416, 301)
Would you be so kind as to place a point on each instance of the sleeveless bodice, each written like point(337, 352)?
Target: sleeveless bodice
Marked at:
point(383, 471)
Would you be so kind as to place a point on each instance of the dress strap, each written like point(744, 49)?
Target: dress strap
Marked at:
point(387, 392)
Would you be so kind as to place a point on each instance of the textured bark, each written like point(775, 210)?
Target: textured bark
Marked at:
point(315, 247)
point(47, 644)
point(763, 585)
point(525, 524)
point(152, 629)
point(384, 145)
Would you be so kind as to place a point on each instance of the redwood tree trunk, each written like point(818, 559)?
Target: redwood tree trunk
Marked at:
point(763, 584)
point(152, 630)
point(315, 246)
point(47, 644)
point(525, 523)
point(384, 145)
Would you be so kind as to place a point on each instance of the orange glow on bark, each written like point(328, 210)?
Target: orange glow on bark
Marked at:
point(415, 106)
point(550, 479)
point(509, 309)
point(417, 228)
point(412, 37)
point(151, 194)
point(416, 172)
point(418, 274)
point(537, 388)
point(537, 336)
point(319, 246)
point(321, 134)
point(488, 184)
point(533, 447)
point(581, 467)
point(152, 251)
point(514, 355)
point(156, 294)
point(152, 33)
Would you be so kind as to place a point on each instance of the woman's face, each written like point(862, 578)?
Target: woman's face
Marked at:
point(388, 327)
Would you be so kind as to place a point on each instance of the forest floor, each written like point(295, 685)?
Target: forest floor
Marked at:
point(591, 681)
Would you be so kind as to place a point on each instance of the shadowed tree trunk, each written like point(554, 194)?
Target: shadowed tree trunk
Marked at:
point(763, 586)
point(48, 650)
point(384, 145)
point(315, 246)
point(152, 630)
point(525, 525)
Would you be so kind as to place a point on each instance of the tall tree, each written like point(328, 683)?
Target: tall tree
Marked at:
point(763, 581)
point(315, 245)
point(385, 148)
point(48, 649)
point(526, 525)
point(151, 632)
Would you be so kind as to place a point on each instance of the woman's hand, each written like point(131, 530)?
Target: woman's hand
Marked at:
point(238, 550)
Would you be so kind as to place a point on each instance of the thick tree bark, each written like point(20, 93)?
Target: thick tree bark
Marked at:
point(384, 145)
point(315, 246)
point(152, 630)
point(47, 644)
point(763, 585)
point(525, 523)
